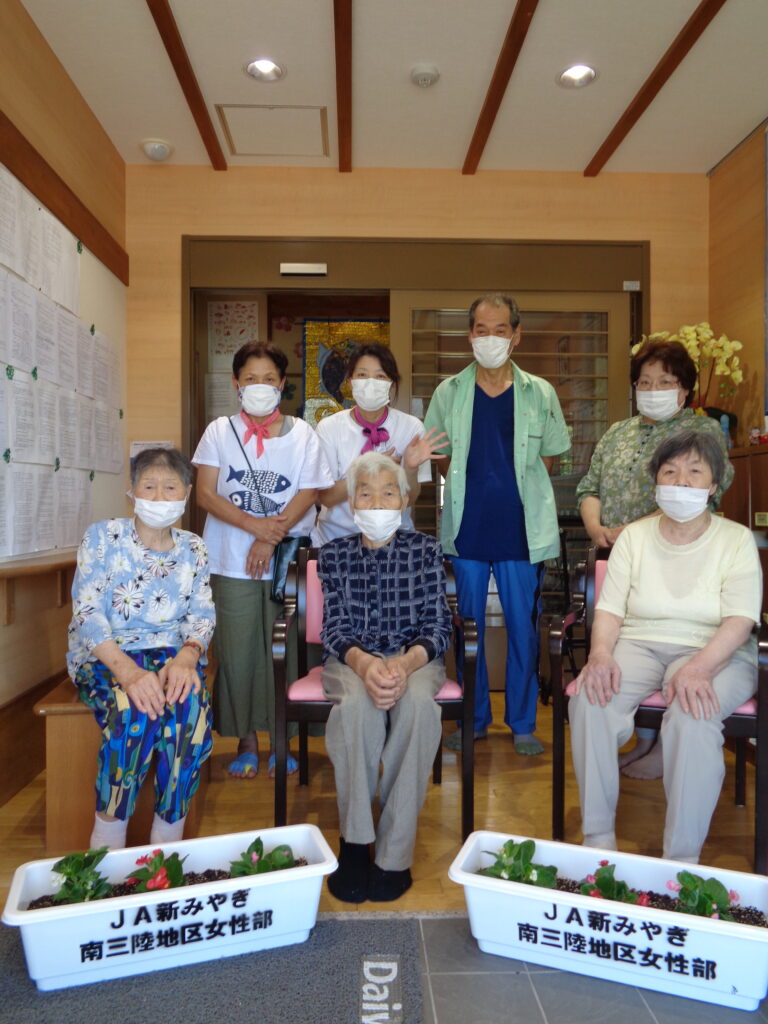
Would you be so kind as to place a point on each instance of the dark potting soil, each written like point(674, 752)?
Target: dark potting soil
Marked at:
point(661, 901)
point(128, 889)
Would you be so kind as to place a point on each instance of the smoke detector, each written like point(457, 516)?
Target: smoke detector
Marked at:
point(424, 75)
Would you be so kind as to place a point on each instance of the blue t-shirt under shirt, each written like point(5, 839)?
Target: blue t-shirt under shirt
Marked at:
point(493, 524)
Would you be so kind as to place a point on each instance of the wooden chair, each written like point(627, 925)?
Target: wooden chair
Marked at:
point(303, 701)
point(750, 721)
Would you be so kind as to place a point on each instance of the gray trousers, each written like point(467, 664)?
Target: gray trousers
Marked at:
point(693, 756)
point(358, 741)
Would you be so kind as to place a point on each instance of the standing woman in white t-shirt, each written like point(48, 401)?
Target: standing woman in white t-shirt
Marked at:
point(258, 478)
point(371, 425)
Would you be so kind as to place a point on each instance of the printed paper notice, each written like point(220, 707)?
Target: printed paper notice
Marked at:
point(230, 325)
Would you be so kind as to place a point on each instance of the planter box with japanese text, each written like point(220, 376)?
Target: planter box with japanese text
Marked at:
point(679, 954)
point(81, 943)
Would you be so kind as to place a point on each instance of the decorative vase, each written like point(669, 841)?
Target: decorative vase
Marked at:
point(679, 954)
point(81, 943)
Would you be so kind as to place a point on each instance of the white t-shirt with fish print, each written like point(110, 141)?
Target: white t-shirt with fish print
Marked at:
point(341, 437)
point(289, 463)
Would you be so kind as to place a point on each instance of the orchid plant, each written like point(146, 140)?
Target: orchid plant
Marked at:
point(718, 364)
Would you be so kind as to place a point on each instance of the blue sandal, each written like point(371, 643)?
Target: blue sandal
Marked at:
point(292, 765)
point(246, 764)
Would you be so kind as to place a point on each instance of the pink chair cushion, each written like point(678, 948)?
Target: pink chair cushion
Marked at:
point(601, 567)
point(310, 688)
point(656, 700)
point(314, 604)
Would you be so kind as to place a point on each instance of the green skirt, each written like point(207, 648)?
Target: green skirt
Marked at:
point(244, 688)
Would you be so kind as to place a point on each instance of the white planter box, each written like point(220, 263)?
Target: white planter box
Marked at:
point(679, 954)
point(77, 944)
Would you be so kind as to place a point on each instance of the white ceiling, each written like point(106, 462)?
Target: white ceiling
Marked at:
point(112, 51)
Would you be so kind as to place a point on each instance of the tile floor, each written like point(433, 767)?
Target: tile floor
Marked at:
point(462, 985)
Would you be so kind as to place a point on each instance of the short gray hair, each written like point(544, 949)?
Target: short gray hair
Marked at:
point(704, 444)
point(498, 300)
point(374, 464)
point(168, 458)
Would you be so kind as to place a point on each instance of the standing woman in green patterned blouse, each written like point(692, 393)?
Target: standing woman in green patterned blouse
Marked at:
point(617, 489)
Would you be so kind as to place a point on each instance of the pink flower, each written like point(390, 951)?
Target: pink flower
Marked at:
point(157, 853)
point(715, 914)
point(131, 881)
point(596, 893)
point(590, 879)
point(674, 886)
point(643, 900)
point(604, 863)
point(733, 896)
point(254, 858)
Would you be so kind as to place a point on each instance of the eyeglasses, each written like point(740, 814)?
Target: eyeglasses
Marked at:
point(663, 384)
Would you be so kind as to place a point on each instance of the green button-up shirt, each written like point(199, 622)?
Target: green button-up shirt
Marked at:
point(618, 476)
point(539, 430)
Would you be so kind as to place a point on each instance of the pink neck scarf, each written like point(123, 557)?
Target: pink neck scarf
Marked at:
point(374, 432)
point(260, 430)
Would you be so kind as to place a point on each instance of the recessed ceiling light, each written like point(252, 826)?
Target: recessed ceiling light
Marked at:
point(265, 70)
point(577, 76)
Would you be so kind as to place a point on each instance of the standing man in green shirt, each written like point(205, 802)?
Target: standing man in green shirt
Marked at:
point(504, 426)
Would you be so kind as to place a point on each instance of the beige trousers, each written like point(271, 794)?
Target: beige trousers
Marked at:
point(693, 757)
point(359, 738)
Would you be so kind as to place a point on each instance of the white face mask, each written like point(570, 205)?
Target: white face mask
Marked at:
point(158, 514)
point(371, 394)
point(681, 503)
point(659, 405)
point(491, 352)
point(259, 399)
point(378, 524)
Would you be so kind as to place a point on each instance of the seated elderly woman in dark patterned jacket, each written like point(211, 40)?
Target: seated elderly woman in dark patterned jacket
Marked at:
point(386, 626)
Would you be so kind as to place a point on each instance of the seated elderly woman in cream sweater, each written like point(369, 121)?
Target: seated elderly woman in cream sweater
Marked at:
point(676, 612)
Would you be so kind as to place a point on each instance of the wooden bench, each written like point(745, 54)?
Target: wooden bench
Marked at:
point(72, 740)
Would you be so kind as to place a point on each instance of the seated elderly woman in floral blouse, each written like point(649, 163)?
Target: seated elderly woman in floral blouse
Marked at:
point(142, 620)
point(676, 611)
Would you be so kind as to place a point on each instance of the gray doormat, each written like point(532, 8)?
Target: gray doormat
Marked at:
point(320, 981)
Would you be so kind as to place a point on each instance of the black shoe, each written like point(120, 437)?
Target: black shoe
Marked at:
point(385, 886)
point(349, 882)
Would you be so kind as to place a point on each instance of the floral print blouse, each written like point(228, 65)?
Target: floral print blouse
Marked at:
point(618, 476)
point(139, 598)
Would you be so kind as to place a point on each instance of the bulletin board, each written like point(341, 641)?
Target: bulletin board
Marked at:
point(61, 383)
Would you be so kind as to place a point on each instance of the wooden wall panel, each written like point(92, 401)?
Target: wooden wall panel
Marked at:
point(41, 100)
point(737, 255)
point(165, 203)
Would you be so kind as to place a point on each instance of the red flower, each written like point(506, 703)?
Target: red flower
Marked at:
point(604, 863)
point(596, 893)
point(159, 880)
point(157, 853)
point(145, 859)
point(643, 900)
point(131, 881)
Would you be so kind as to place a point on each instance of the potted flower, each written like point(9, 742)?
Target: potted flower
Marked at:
point(607, 928)
point(163, 923)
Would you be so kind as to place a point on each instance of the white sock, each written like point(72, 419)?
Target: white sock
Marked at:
point(601, 840)
point(108, 833)
point(166, 831)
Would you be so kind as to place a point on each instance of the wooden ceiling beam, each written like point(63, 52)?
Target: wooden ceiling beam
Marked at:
point(510, 51)
point(342, 28)
point(685, 40)
point(36, 174)
point(171, 37)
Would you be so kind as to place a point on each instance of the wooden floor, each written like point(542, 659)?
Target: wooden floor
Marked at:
point(512, 794)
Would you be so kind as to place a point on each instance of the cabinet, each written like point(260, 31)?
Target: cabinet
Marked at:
point(746, 500)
